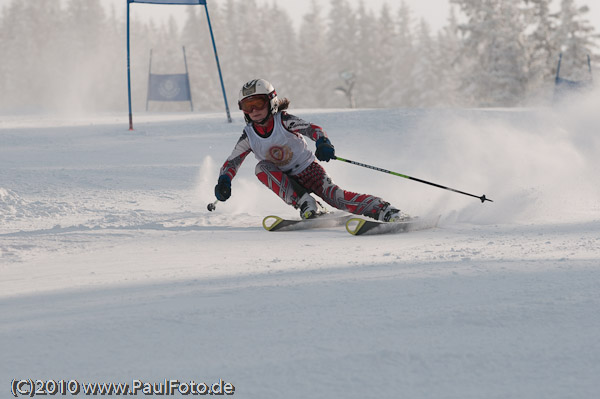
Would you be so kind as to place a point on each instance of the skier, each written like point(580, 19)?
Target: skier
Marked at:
point(286, 165)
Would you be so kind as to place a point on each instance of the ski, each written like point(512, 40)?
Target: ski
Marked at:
point(276, 223)
point(358, 226)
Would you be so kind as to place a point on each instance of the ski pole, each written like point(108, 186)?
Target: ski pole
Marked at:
point(481, 198)
point(212, 206)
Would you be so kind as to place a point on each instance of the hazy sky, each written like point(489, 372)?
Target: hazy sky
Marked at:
point(434, 11)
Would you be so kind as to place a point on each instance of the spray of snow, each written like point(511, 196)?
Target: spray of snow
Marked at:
point(544, 168)
point(537, 165)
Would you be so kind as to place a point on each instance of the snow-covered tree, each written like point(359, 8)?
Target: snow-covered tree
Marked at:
point(368, 56)
point(201, 64)
point(341, 49)
point(283, 55)
point(427, 70)
point(65, 54)
point(493, 52)
point(403, 83)
point(311, 67)
point(575, 38)
point(384, 70)
point(541, 47)
point(448, 62)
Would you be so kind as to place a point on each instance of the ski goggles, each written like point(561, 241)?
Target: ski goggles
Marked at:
point(255, 102)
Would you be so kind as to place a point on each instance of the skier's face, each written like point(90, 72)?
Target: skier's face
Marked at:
point(256, 107)
point(259, 114)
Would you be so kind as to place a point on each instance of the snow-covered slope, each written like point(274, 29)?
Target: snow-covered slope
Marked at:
point(111, 269)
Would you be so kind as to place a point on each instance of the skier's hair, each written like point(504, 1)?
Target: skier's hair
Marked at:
point(283, 104)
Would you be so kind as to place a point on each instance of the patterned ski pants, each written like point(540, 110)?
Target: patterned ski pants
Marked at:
point(314, 179)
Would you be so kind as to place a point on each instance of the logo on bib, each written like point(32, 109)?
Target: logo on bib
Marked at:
point(280, 155)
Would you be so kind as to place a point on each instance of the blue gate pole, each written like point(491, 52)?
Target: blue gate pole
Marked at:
point(129, 71)
point(558, 69)
point(187, 78)
point(149, 80)
point(218, 65)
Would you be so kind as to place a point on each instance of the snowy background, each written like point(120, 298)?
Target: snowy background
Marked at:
point(111, 268)
point(486, 53)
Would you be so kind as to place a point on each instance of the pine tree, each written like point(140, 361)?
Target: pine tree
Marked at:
point(86, 67)
point(541, 47)
point(312, 55)
point(231, 49)
point(201, 61)
point(112, 96)
point(509, 62)
point(367, 59)
point(426, 74)
point(575, 36)
point(341, 50)
point(282, 51)
point(14, 51)
point(404, 85)
point(252, 42)
point(384, 69)
point(448, 62)
point(493, 52)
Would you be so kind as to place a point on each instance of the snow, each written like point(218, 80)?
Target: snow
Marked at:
point(112, 269)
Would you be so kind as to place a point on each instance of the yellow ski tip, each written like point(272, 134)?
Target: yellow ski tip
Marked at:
point(271, 221)
point(353, 225)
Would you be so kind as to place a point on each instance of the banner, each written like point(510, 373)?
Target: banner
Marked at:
point(172, 87)
point(189, 2)
point(573, 84)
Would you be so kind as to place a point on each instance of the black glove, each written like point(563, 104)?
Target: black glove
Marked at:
point(223, 188)
point(325, 150)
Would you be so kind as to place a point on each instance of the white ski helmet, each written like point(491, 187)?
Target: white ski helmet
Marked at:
point(257, 87)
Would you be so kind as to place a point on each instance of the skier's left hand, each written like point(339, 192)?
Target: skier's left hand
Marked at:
point(325, 150)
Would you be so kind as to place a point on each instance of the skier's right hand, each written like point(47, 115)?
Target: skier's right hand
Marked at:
point(223, 188)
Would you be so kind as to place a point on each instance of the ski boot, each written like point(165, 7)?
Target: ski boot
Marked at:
point(309, 207)
point(390, 214)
